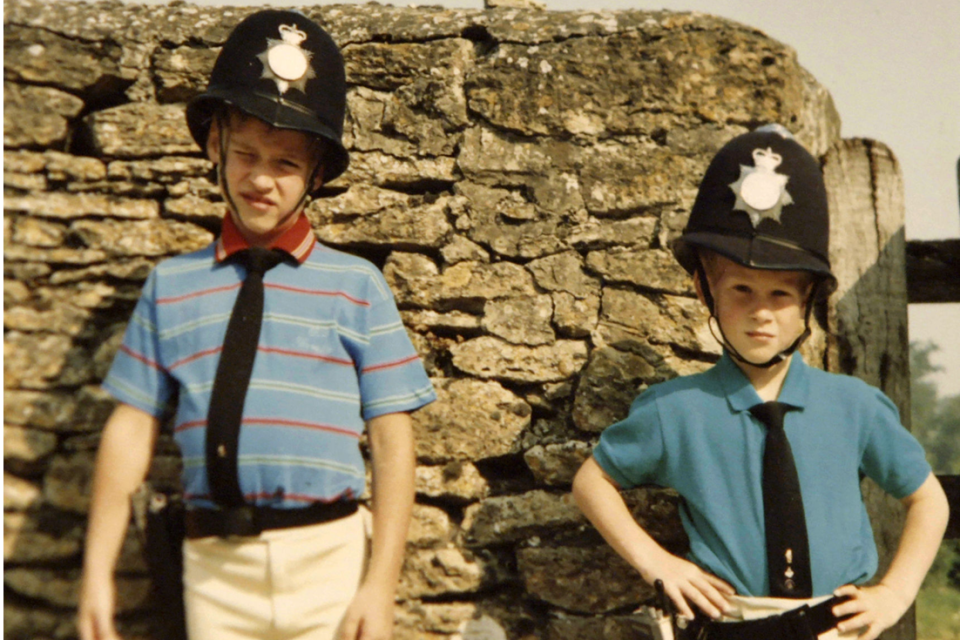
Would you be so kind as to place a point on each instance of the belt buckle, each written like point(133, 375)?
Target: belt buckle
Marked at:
point(798, 622)
point(239, 521)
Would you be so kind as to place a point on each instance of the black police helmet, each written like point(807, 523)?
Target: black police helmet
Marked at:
point(282, 68)
point(762, 203)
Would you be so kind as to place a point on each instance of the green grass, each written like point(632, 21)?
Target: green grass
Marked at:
point(938, 604)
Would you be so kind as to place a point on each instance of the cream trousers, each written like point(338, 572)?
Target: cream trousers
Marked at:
point(286, 584)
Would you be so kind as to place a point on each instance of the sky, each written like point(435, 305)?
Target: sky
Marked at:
point(893, 69)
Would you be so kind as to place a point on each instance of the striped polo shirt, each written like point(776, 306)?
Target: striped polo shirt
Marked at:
point(333, 353)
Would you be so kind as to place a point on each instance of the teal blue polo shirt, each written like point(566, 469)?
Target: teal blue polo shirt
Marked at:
point(696, 435)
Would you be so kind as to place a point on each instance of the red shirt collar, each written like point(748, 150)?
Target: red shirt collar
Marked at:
point(298, 240)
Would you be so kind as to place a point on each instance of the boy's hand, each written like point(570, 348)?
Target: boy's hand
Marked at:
point(687, 583)
point(874, 609)
point(369, 616)
point(95, 615)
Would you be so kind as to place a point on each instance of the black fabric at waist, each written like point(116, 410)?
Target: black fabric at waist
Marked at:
point(249, 520)
point(802, 623)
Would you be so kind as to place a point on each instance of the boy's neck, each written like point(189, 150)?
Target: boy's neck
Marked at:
point(767, 381)
point(266, 240)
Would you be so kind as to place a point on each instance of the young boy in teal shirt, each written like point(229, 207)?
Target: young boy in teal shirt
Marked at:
point(770, 556)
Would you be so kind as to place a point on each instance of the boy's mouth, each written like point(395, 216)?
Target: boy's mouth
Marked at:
point(257, 201)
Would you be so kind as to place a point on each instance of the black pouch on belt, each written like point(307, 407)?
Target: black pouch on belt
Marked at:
point(160, 519)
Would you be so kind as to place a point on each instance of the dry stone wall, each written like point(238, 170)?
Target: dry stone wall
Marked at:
point(517, 174)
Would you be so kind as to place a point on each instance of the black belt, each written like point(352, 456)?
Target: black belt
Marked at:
point(803, 623)
point(252, 521)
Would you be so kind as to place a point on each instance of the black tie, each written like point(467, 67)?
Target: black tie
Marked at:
point(788, 551)
point(233, 377)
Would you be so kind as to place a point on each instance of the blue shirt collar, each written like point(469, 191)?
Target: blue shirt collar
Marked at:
point(740, 392)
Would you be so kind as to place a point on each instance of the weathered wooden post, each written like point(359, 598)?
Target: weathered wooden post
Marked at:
point(868, 313)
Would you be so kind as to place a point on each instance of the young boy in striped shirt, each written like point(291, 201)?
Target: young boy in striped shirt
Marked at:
point(276, 547)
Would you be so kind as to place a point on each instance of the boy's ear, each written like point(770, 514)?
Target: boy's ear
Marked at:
point(213, 142)
point(699, 287)
point(318, 180)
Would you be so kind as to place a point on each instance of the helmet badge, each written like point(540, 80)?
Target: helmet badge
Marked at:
point(761, 191)
point(285, 62)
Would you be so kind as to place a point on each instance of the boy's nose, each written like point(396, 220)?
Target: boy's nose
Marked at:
point(261, 179)
point(761, 309)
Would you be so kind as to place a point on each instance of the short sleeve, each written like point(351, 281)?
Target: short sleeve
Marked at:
point(137, 376)
point(892, 457)
point(391, 374)
point(630, 451)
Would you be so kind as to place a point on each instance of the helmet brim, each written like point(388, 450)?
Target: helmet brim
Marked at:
point(758, 252)
point(201, 110)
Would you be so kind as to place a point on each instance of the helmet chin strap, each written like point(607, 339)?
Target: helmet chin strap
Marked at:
point(726, 344)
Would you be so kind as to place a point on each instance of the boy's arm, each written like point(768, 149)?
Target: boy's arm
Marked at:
point(598, 496)
point(370, 615)
point(880, 606)
point(123, 458)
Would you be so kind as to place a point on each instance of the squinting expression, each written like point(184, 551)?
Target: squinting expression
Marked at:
point(266, 172)
point(761, 311)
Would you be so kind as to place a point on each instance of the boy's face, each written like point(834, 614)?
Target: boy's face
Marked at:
point(761, 311)
point(266, 171)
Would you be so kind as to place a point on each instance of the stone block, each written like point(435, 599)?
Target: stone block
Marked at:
point(429, 527)
point(507, 223)
point(430, 572)
point(556, 464)
point(620, 178)
point(183, 72)
point(608, 627)
point(385, 170)
point(44, 57)
point(142, 238)
point(488, 155)
point(575, 317)
point(34, 232)
point(80, 205)
point(583, 580)
point(655, 269)
point(366, 215)
point(522, 321)
point(68, 480)
point(609, 384)
point(37, 116)
point(511, 518)
point(637, 232)
point(140, 129)
point(564, 272)
point(23, 444)
point(21, 622)
point(39, 361)
point(487, 357)
point(44, 410)
point(460, 249)
point(469, 285)
point(453, 482)
point(20, 494)
point(61, 587)
point(471, 420)
point(24, 541)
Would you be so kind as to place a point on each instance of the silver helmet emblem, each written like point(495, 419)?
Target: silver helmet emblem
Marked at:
point(761, 191)
point(285, 62)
